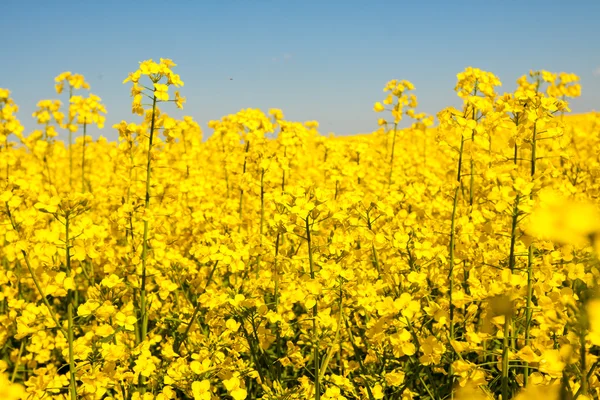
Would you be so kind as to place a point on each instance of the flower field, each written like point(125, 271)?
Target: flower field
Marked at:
point(455, 259)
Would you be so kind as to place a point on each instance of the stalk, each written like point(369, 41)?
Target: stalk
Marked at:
point(392, 155)
point(358, 357)
point(283, 172)
point(533, 150)
point(583, 360)
point(225, 165)
point(276, 295)
point(375, 259)
point(451, 250)
point(83, 159)
point(143, 311)
point(240, 208)
point(337, 189)
point(513, 235)
point(7, 161)
point(21, 348)
point(451, 260)
point(262, 203)
point(358, 165)
point(314, 310)
point(262, 217)
point(70, 314)
point(505, 357)
point(425, 149)
point(472, 180)
point(453, 238)
point(45, 159)
point(185, 151)
point(530, 259)
point(70, 140)
point(143, 326)
point(325, 162)
point(177, 344)
point(331, 350)
point(490, 152)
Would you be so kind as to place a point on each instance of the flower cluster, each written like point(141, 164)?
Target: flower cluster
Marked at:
point(270, 261)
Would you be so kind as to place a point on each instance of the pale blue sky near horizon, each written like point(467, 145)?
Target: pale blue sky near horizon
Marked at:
point(316, 60)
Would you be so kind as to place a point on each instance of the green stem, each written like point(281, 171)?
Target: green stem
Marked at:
point(583, 360)
point(83, 159)
point(283, 171)
point(143, 311)
point(276, 271)
point(70, 140)
point(225, 165)
point(451, 261)
point(451, 250)
point(16, 367)
point(507, 321)
point(375, 259)
point(472, 177)
point(276, 295)
point(177, 344)
point(262, 203)
point(240, 208)
point(70, 314)
point(314, 311)
point(327, 358)
point(7, 160)
point(392, 155)
point(513, 234)
point(533, 150)
point(358, 166)
point(358, 357)
point(530, 262)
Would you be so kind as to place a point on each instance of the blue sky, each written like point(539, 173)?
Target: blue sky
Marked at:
point(321, 60)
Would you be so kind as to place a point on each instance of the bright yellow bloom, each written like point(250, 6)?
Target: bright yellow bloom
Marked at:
point(565, 221)
point(10, 390)
point(201, 390)
point(161, 91)
point(179, 100)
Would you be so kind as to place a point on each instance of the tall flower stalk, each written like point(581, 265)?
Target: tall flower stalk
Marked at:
point(73, 82)
point(161, 77)
point(399, 98)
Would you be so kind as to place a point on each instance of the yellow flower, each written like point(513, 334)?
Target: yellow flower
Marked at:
point(133, 77)
point(378, 107)
point(394, 378)
point(201, 390)
point(377, 392)
point(4, 93)
point(179, 100)
point(149, 67)
point(174, 79)
point(565, 221)
point(112, 281)
point(10, 390)
point(125, 321)
point(233, 387)
point(551, 363)
point(161, 91)
point(276, 113)
point(167, 62)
